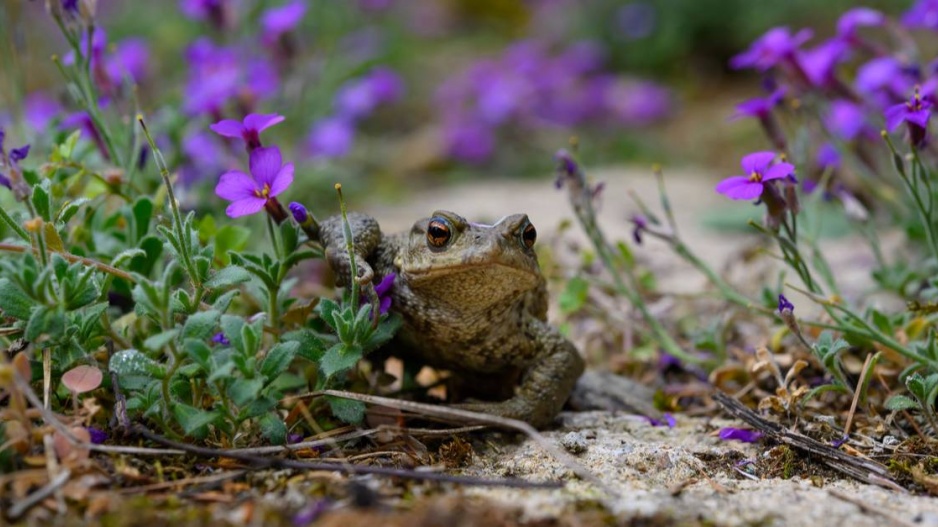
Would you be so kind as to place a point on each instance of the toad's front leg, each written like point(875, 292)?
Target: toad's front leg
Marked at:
point(366, 236)
point(545, 386)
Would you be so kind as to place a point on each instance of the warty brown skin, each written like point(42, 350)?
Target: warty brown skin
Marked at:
point(475, 305)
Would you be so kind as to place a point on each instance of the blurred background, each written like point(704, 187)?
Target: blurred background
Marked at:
point(383, 95)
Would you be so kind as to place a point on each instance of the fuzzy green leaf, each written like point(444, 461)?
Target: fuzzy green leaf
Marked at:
point(273, 428)
point(201, 325)
point(243, 391)
point(347, 410)
point(339, 358)
point(900, 402)
point(13, 301)
point(228, 277)
point(278, 359)
point(194, 421)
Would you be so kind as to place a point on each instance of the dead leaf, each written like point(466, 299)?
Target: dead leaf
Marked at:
point(22, 366)
point(64, 448)
point(81, 379)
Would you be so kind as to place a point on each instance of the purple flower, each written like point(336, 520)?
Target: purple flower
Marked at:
point(215, 11)
point(220, 338)
point(915, 113)
point(923, 14)
point(638, 103)
point(845, 119)
point(358, 98)
point(759, 169)
point(827, 158)
point(760, 107)
point(331, 138)
point(666, 420)
point(248, 194)
point(775, 46)
point(383, 290)
point(249, 129)
point(820, 62)
point(472, 142)
point(130, 58)
point(840, 441)
point(858, 17)
point(740, 434)
point(218, 74)
point(39, 109)
point(70, 6)
point(640, 224)
point(300, 214)
point(279, 20)
point(97, 435)
point(19, 154)
point(784, 304)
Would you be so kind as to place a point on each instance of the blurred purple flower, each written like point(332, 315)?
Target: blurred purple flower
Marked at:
point(740, 434)
point(469, 141)
point(635, 20)
point(845, 119)
point(784, 304)
point(282, 19)
point(130, 58)
point(218, 74)
point(97, 435)
point(19, 154)
point(640, 224)
point(331, 137)
point(827, 158)
point(311, 512)
point(249, 193)
point(760, 107)
point(39, 109)
point(666, 420)
point(635, 102)
point(70, 6)
point(383, 290)
point(581, 58)
point(220, 338)
point(214, 11)
point(820, 62)
point(885, 80)
point(205, 157)
point(358, 98)
point(858, 17)
point(82, 121)
point(924, 14)
point(249, 129)
point(915, 113)
point(759, 169)
point(776, 45)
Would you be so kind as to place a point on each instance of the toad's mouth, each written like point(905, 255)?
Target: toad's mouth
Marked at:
point(418, 273)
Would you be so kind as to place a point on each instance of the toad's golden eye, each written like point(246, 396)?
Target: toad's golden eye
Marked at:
point(529, 235)
point(438, 232)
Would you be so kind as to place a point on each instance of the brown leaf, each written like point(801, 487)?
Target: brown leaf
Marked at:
point(64, 448)
point(22, 367)
point(81, 379)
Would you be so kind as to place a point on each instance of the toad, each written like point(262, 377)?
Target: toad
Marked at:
point(472, 301)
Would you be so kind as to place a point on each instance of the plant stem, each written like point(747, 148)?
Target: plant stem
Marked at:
point(350, 247)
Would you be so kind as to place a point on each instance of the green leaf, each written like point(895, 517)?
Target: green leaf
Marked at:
point(42, 201)
point(69, 209)
point(13, 301)
point(194, 421)
point(199, 352)
point(201, 325)
point(289, 236)
point(131, 362)
point(68, 146)
point(347, 410)
point(45, 320)
point(900, 402)
point(228, 277)
point(573, 297)
point(339, 358)
point(385, 331)
point(158, 341)
point(231, 326)
point(230, 238)
point(278, 359)
point(142, 212)
point(311, 346)
point(327, 310)
point(273, 428)
point(243, 391)
point(127, 254)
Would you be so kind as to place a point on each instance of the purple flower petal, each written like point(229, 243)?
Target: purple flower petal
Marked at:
point(778, 171)
point(283, 180)
point(265, 164)
point(19, 154)
point(740, 434)
point(244, 207)
point(235, 185)
point(858, 17)
point(262, 121)
point(331, 137)
point(757, 162)
point(739, 187)
point(227, 128)
point(279, 20)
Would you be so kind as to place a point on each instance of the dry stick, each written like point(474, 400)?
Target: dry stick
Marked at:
point(277, 449)
point(856, 393)
point(20, 507)
point(198, 480)
point(258, 462)
point(458, 414)
point(864, 470)
point(72, 258)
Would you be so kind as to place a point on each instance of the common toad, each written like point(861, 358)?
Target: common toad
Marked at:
point(473, 301)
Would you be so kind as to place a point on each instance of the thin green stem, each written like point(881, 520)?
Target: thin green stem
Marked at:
point(350, 248)
point(15, 227)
